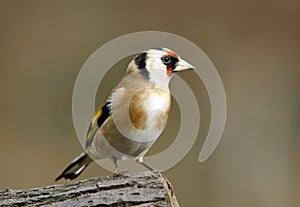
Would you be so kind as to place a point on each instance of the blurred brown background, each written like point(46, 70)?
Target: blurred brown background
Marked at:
point(255, 46)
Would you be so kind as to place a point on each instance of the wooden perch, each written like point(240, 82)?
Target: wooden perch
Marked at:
point(140, 190)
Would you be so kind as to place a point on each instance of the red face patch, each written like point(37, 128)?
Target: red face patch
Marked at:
point(172, 54)
point(169, 70)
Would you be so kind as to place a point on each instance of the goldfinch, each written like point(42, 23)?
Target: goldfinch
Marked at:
point(134, 114)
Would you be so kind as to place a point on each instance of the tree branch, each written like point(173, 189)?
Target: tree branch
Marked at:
point(139, 190)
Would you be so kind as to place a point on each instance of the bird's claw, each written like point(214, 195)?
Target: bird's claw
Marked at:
point(122, 172)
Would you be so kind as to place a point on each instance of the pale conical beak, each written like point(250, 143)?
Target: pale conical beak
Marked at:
point(183, 65)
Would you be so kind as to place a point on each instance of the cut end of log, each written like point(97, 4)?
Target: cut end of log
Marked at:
point(139, 190)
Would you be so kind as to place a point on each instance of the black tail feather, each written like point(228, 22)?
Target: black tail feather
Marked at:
point(76, 167)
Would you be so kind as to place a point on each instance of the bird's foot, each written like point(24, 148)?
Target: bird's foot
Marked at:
point(122, 172)
point(168, 184)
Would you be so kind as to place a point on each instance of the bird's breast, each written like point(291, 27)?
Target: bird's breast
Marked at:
point(138, 118)
point(140, 114)
point(149, 109)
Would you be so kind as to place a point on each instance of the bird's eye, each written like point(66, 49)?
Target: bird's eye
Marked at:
point(166, 60)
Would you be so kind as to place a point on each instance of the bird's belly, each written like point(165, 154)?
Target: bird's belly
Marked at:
point(116, 145)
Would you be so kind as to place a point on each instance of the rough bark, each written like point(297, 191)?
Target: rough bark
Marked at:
point(140, 189)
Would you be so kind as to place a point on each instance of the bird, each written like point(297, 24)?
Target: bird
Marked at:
point(134, 113)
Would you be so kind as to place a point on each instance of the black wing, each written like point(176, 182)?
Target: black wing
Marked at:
point(102, 114)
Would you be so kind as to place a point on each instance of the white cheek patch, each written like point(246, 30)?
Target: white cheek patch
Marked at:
point(154, 63)
point(157, 72)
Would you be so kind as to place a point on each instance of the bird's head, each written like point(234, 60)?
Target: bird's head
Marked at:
point(158, 64)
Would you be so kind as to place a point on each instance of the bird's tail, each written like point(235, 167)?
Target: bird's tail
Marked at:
point(76, 167)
